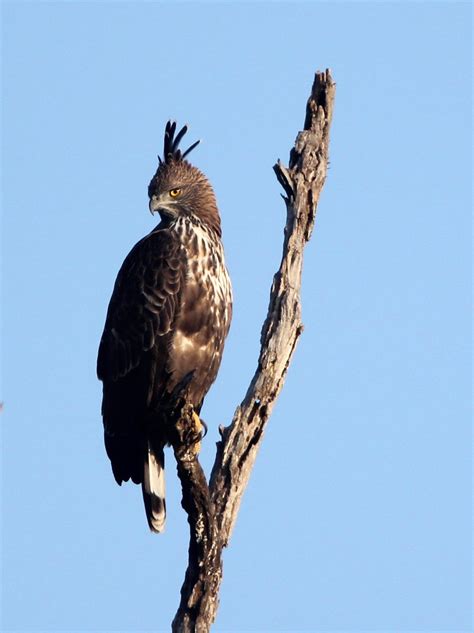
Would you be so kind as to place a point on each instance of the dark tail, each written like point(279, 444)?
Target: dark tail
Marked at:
point(153, 488)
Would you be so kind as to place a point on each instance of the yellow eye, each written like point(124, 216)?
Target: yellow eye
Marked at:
point(174, 193)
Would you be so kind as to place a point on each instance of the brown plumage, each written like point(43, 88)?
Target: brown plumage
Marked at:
point(167, 319)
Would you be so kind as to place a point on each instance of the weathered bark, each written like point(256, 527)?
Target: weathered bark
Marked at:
point(212, 510)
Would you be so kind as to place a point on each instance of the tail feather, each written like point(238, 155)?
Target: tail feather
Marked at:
point(153, 488)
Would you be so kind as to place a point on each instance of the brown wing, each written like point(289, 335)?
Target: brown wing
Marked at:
point(133, 350)
point(144, 303)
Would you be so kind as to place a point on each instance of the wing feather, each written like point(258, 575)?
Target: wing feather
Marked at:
point(144, 303)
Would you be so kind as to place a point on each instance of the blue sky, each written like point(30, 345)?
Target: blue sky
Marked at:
point(357, 515)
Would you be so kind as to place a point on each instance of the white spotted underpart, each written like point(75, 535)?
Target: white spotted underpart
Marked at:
point(205, 311)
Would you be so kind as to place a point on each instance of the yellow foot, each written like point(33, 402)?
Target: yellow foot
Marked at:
point(197, 433)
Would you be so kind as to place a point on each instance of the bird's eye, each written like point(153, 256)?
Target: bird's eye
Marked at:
point(174, 193)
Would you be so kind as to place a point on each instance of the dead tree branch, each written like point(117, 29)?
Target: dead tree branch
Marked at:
point(212, 510)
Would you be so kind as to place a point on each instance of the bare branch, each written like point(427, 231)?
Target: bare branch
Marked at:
point(212, 511)
point(203, 575)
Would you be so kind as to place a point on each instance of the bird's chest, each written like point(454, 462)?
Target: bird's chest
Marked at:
point(206, 302)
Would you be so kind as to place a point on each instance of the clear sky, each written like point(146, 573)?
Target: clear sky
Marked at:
point(357, 515)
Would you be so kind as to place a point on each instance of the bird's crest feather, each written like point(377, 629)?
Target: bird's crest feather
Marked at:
point(171, 151)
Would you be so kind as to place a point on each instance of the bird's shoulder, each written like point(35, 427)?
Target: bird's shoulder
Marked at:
point(161, 247)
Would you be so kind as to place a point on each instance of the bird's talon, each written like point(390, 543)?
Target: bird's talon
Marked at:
point(197, 433)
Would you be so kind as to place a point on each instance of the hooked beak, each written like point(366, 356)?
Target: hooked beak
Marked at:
point(154, 205)
point(164, 207)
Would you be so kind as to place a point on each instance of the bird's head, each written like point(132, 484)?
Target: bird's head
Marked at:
point(178, 188)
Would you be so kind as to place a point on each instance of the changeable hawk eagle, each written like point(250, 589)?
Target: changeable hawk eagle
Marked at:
point(166, 323)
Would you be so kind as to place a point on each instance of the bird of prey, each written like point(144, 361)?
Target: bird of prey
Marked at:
point(166, 323)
